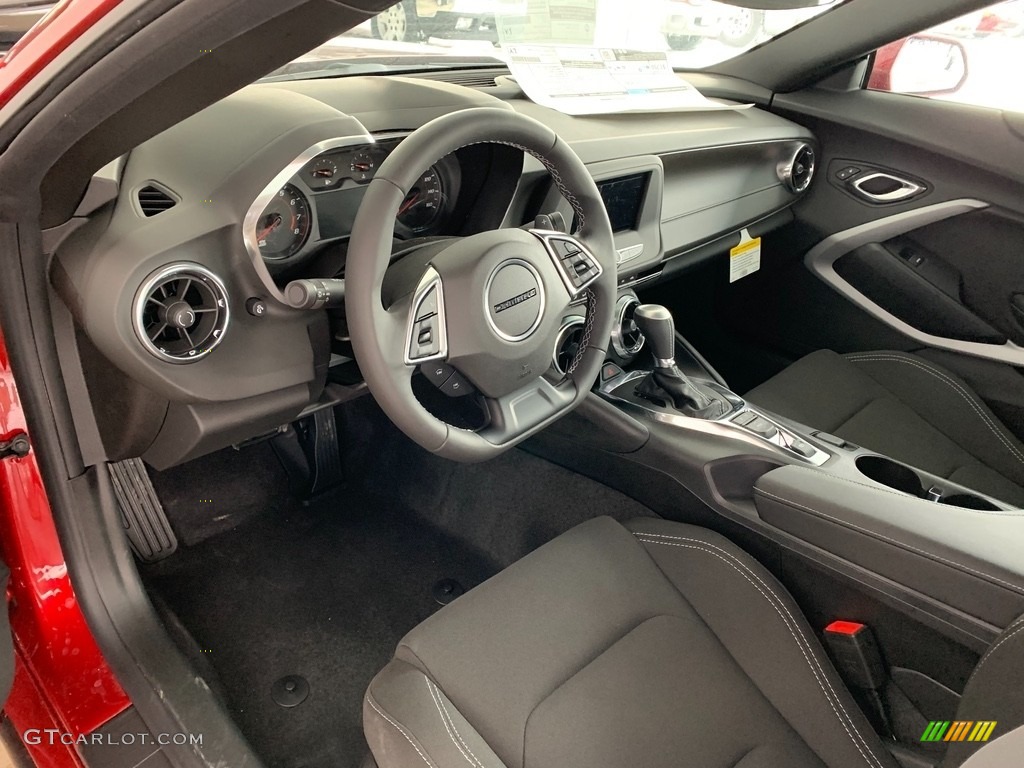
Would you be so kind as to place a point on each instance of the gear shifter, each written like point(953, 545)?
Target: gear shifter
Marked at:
point(666, 384)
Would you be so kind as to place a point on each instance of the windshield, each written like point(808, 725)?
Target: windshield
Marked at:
point(436, 34)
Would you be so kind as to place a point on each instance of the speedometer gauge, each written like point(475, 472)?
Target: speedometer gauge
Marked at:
point(283, 227)
point(423, 205)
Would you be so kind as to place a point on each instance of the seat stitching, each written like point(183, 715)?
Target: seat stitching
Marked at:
point(876, 534)
point(992, 650)
point(453, 732)
point(882, 489)
point(956, 388)
point(401, 730)
point(802, 644)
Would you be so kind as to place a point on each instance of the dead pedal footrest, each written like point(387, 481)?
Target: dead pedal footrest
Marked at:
point(145, 522)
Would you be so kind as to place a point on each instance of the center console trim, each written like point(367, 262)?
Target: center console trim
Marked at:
point(781, 443)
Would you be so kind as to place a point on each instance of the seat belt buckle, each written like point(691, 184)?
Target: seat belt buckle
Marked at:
point(858, 659)
point(855, 653)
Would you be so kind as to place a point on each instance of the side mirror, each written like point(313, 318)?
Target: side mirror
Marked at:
point(922, 65)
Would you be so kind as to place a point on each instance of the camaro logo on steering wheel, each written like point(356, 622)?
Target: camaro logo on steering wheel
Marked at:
point(515, 300)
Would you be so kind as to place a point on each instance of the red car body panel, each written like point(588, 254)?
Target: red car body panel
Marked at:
point(66, 22)
point(61, 679)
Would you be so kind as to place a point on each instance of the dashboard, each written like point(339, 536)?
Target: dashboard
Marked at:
point(172, 308)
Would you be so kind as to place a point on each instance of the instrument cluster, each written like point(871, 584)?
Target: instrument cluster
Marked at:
point(318, 205)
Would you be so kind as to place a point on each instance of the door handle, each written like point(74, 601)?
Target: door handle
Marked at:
point(881, 187)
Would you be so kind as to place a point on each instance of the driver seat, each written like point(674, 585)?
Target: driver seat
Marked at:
point(654, 644)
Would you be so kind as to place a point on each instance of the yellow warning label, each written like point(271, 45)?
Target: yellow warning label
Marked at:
point(744, 259)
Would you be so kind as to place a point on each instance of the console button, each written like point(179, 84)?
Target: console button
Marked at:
point(742, 419)
point(763, 427)
point(838, 442)
point(610, 371)
point(805, 449)
point(847, 173)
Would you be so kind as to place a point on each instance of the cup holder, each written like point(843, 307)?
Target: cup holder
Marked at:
point(891, 474)
point(969, 501)
point(902, 478)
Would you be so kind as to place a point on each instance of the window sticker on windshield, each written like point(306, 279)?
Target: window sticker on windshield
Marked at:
point(546, 21)
point(745, 258)
point(580, 80)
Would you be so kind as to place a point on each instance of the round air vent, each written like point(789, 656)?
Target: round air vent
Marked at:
point(797, 172)
point(181, 313)
point(567, 344)
point(626, 337)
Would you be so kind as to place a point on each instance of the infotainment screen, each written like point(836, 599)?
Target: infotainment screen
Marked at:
point(623, 197)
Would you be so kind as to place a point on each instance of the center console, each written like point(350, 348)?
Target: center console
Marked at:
point(661, 411)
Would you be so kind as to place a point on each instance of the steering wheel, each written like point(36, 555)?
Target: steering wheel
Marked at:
point(489, 305)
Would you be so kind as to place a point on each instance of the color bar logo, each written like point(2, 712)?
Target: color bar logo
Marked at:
point(958, 730)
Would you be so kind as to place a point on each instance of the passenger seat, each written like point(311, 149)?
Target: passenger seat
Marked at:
point(904, 407)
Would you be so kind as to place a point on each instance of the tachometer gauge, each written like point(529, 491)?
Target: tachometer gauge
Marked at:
point(423, 205)
point(322, 173)
point(363, 166)
point(283, 227)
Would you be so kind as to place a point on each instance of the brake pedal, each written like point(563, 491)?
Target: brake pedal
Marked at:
point(145, 522)
point(311, 454)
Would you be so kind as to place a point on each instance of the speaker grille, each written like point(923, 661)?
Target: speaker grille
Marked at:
point(181, 313)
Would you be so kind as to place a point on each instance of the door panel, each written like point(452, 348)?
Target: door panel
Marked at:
point(942, 267)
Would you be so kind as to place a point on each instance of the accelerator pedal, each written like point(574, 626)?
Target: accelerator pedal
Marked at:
point(145, 522)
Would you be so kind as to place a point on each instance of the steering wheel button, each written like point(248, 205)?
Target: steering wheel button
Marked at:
point(457, 386)
point(428, 305)
point(437, 373)
point(424, 342)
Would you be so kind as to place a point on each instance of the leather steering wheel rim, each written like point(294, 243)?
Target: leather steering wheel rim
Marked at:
point(381, 335)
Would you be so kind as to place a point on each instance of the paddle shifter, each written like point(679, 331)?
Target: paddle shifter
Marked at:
point(666, 384)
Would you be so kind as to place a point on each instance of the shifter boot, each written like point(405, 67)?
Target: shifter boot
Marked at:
point(670, 387)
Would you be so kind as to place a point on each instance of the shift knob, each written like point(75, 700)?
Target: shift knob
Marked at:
point(656, 324)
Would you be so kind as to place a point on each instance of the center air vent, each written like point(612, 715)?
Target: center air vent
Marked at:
point(181, 313)
point(567, 345)
point(798, 172)
point(626, 337)
point(153, 200)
